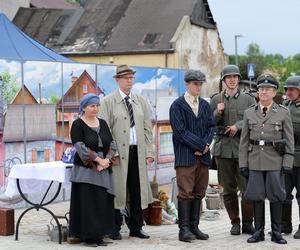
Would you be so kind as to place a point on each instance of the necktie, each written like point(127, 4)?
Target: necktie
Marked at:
point(130, 110)
point(195, 101)
point(264, 111)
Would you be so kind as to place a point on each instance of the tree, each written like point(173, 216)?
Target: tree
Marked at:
point(54, 99)
point(10, 87)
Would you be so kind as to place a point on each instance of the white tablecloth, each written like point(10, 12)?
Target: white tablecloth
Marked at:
point(34, 177)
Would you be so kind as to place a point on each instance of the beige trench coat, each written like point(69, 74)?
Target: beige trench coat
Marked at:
point(113, 110)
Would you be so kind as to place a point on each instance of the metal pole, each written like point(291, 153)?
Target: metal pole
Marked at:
point(24, 114)
point(236, 49)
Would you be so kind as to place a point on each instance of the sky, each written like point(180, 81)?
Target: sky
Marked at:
point(272, 24)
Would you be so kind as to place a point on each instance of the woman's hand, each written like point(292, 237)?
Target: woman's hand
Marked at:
point(102, 163)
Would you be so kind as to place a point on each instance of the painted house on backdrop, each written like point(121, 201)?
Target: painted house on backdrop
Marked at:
point(40, 132)
point(67, 108)
point(177, 34)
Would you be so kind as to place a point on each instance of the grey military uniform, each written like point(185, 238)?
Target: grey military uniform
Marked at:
point(275, 125)
point(225, 146)
point(225, 151)
point(257, 153)
point(294, 108)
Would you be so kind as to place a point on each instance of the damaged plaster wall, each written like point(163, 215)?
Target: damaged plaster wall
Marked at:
point(200, 48)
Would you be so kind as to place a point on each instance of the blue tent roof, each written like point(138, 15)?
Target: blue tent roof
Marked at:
point(16, 45)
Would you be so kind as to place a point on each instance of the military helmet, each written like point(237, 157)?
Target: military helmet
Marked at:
point(292, 82)
point(267, 80)
point(230, 70)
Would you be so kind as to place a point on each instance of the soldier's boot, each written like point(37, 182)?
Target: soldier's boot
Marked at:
point(276, 213)
point(247, 217)
point(259, 222)
point(184, 208)
point(232, 207)
point(297, 234)
point(194, 220)
point(286, 223)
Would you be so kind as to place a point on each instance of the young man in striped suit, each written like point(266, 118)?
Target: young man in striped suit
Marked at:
point(193, 128)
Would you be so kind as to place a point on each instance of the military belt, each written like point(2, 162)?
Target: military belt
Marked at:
point(261, 142)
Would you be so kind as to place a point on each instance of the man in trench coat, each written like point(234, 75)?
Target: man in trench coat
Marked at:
point(128, 118)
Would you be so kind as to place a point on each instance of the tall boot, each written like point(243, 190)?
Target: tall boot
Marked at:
point(259, 221)
point(232, 207)
point(286, 223)
point(184, 208)
point(276, 213)
point(194, 220)
point(247, 217)
point(297, 234)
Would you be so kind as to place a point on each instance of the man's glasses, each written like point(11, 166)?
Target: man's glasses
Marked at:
point(131, 78)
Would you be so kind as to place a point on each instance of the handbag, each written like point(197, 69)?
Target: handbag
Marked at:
point(68, 155)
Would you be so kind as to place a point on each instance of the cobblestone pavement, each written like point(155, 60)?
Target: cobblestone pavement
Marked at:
point(33, 234)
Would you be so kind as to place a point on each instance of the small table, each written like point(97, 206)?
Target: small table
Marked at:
point(28, 178)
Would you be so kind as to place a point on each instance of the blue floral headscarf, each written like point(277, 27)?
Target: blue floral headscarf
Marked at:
point(88, 99)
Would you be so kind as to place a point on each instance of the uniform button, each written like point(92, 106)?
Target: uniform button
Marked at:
point(123, 145)
point(125, 118)
point(124, 131)
point(122, 158)
point(262, 133)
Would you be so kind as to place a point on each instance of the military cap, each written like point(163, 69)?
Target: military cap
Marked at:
point(230, 70)
point(194, 76)
point(292, 82)
point(266, 80)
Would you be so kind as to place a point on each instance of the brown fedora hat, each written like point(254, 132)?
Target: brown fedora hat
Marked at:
point(123, 70)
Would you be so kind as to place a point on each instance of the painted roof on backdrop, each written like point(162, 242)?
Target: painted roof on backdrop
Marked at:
point(40, 122)
point(113, 26)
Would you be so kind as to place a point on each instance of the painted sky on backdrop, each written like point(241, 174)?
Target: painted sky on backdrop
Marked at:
point(272, 24)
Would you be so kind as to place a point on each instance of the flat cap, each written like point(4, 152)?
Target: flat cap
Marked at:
point(194, 76)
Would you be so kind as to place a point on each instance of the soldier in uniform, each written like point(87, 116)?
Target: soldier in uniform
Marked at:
point(292, 180)
point(265, 155)
point(229, 107)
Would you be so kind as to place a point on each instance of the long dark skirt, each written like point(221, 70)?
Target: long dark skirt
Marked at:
point(91, 212)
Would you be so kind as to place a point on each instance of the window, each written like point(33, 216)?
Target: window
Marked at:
point(166, 144)
point(84, 88)
point(40, 156)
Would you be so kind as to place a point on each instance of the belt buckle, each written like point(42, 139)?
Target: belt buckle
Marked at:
point(261, 143)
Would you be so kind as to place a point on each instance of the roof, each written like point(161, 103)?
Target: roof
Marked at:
point(52, 4)
point(16, 45)
point(40, 122)
point(19, 96)
point(113, 26)
point(72, 96)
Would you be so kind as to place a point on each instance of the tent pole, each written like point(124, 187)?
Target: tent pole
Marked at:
point(62, 108)
point(23, 111)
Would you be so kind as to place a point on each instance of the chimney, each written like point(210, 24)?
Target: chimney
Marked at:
point(74, 79)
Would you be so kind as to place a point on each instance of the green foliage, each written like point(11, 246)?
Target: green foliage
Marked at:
point(10, 87)
point(54, 99)
point(275, 64)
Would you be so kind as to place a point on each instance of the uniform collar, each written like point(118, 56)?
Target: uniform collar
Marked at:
point(236, 95)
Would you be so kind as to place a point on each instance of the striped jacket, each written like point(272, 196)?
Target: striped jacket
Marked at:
point(191, 133)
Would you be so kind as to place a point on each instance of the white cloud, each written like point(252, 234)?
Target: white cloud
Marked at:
point(162, 82)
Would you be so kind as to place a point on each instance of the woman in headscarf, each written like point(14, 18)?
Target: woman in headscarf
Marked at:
point(92, 193)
